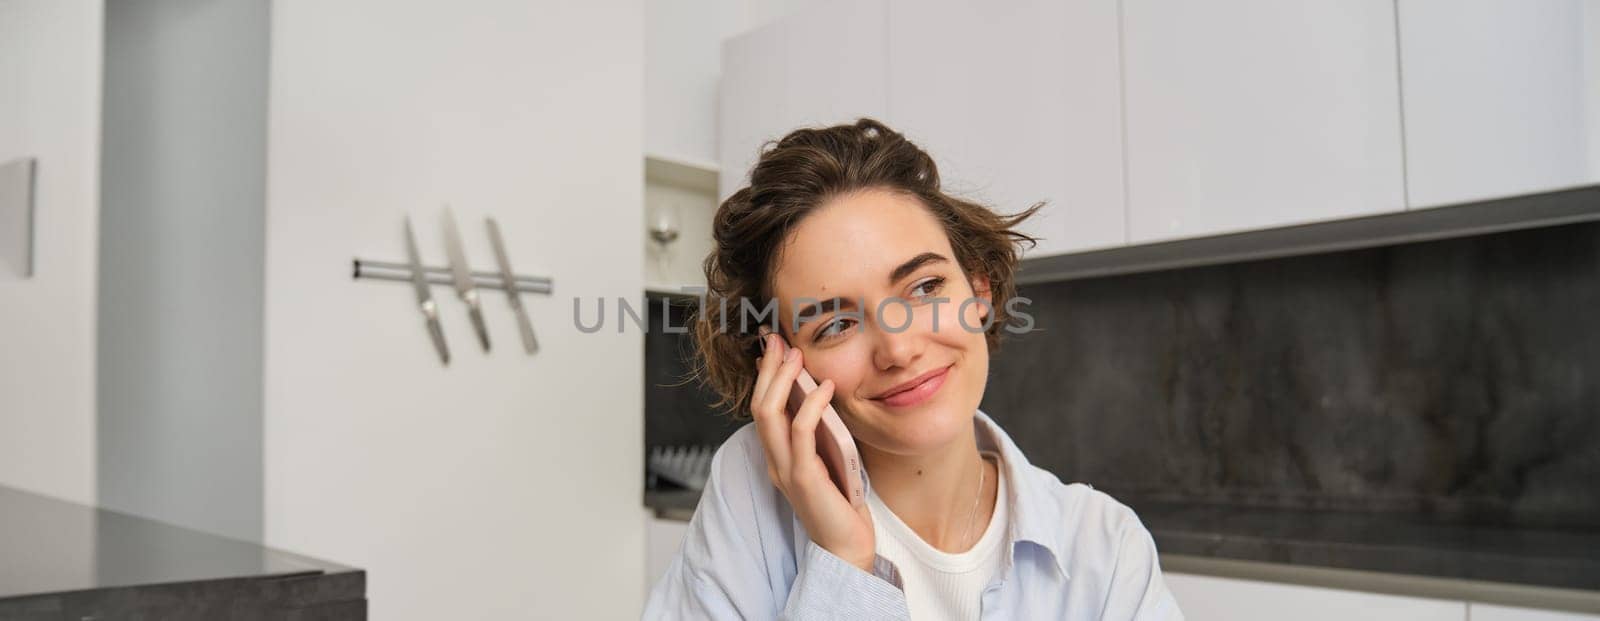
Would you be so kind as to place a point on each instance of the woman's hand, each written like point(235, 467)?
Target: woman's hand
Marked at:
point(793, 463)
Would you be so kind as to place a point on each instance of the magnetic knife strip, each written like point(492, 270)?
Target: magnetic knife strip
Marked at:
point(465, 281)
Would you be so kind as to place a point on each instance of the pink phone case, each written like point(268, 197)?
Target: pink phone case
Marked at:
point(834, 443)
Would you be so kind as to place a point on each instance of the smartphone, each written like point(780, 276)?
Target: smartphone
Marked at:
point(834, 443)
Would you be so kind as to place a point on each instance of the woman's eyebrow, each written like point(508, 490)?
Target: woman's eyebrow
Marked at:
point(810, 311)
point(910, 266)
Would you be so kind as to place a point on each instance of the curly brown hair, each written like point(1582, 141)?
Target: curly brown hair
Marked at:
point(797, 174)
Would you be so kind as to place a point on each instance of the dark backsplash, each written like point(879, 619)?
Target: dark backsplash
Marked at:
point(677, 409)
point(1454, 379)
point(1451, 378)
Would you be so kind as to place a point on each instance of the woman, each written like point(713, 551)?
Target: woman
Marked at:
point(916, 286)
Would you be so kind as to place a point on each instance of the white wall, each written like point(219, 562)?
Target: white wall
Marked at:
point(664, 538)
point(504, 486)
point(683, 61)
point(1591, 66)
point(183, 179)
point(50, 56)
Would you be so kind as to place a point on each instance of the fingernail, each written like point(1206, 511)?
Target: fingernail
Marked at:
point(791, 354)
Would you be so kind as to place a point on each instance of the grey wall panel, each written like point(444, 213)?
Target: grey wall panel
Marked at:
point(181, 263)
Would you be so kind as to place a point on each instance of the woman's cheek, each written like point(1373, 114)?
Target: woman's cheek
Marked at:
point(838, 364)
point(952, 316)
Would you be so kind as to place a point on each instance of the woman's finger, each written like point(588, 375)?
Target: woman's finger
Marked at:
point(774, 405)
point(803, 438)
point(774, 433)
point(765, 363)
point(771, 421)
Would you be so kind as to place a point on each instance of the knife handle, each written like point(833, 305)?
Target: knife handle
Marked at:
point(529, 341)
point(437, 334)
point(478, 326)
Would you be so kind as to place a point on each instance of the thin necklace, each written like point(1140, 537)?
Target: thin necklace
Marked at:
point(975, 502)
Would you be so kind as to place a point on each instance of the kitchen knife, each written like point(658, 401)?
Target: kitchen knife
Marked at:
point(509, 280)
point(463, 277)
point(419, 285)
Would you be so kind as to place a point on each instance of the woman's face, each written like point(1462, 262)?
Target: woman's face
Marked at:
point(871, 263)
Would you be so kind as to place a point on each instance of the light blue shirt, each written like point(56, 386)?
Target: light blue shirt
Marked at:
point(1071, 552)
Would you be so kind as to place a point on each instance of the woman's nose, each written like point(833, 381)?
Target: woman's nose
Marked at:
point(898, 336)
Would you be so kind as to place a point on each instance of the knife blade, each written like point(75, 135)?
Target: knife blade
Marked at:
point(419, 285)
point(463, 277)
point(509, 280)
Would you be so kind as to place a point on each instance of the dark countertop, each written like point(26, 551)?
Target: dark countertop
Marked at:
point(1391, 553)
point(1379, 542)
point(65, 560)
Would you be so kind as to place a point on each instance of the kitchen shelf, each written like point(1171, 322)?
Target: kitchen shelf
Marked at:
point(681, 172)
point(1581, 204)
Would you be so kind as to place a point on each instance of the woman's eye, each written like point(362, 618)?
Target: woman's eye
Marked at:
point(929, 287)
point(833, 328)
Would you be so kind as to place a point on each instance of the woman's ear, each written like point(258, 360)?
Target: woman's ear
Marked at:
point(982, 291)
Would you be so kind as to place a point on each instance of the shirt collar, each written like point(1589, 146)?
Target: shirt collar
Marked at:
point(1036, 517)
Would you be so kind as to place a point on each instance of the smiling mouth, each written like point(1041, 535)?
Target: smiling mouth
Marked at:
point(917, 390)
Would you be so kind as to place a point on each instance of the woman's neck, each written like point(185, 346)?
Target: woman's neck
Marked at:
point(934, 493)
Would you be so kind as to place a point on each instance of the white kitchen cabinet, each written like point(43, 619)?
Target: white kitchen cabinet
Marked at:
point(51, 72)
point(1249, 114)
point(1018, 102)
point(682, 46)
point(821, 66)
point(682, 67)
point(1206, 598)
point(1487, 612)
point(1499, 99)
point(1022, 107)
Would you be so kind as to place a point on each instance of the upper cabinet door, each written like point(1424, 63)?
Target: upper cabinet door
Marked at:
point(1502, 97)
point(1018, 102)
point(822, 66)
point(1247, 114)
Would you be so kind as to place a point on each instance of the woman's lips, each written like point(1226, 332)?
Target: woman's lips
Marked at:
point(918, 393)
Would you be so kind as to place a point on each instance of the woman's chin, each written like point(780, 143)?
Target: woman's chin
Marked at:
point(929, 430)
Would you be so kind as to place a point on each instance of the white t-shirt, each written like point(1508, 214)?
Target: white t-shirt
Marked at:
point(940, 585)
